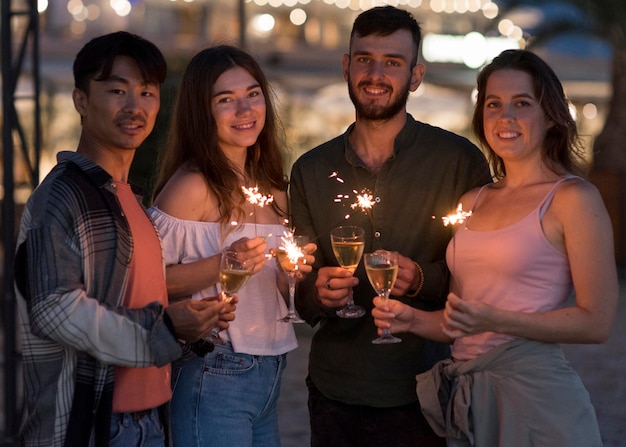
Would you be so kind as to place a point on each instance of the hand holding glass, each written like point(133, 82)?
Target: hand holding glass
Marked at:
point(288, 255)
point(382, 271)
point(233, 274)
point(348, 243)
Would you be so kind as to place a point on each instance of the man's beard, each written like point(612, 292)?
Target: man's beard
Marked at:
point(374, 112)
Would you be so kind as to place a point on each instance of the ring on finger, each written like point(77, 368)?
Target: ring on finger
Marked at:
point(328, 284)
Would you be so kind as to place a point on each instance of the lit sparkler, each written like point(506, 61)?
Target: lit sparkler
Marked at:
point(452, 219)
point(456, 218)
point(364, 199)
point(256, 198)
point(290, 247)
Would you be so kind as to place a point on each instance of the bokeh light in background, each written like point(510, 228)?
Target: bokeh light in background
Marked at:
point(300, 43)
point(297, 16)
point(590, 111)
point(268, 14)
point(263, 23)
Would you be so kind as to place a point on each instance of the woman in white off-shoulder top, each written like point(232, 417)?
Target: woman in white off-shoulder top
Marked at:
point(224, 137)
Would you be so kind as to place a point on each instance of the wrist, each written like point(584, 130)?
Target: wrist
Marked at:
point(418, 281)
point(169, 323)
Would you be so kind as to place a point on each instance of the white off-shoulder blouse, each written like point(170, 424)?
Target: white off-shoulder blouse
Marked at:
point(256, 329)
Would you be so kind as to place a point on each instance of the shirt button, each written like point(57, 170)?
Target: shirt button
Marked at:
point(377, 234)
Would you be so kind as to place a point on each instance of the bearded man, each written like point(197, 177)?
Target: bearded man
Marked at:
point(362, 394)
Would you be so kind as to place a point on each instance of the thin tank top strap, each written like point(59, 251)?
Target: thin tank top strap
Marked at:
point(480, 191)
point(548, 198)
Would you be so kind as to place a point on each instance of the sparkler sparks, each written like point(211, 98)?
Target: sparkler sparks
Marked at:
point(458, 217)
point(290, 247)
point(452, 219)
point(364, 199)
point(334, 174)
point(255, 197)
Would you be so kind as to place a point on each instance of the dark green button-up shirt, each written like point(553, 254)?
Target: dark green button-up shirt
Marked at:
point(423, 180)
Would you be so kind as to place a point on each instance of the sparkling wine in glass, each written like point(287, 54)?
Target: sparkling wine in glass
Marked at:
point(231, 280)
point(232, 275)
point(288, 254)
point(348, 242)
point(382, 271)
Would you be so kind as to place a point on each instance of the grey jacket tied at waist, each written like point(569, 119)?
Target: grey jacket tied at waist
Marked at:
point(479, 402)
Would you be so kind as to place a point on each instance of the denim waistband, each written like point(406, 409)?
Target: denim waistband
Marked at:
point(137, 415)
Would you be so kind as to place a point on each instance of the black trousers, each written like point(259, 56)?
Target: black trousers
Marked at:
point(335, 424)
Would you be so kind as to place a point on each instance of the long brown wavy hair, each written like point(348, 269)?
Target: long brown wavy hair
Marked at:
point(193, 141)
point(562, 148)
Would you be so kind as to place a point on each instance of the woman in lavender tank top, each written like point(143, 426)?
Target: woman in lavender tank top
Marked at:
point(532, 265)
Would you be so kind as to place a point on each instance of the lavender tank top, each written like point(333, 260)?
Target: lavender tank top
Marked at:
point(513, 268)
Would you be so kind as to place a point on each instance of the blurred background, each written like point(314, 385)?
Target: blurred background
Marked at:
point(299, 43)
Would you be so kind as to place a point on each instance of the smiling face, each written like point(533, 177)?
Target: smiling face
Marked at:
point(118, 113)
point(379, 74)
point(238, 107)
point(515, 124)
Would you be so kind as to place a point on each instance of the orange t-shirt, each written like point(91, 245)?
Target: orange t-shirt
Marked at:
point(139, 389)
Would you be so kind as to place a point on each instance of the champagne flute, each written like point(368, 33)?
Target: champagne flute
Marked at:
point(288, 254)
point(382, 271)
point(348, 243)
point(233, 274)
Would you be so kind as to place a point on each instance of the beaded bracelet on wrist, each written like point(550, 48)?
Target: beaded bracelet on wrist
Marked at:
point(417, 287)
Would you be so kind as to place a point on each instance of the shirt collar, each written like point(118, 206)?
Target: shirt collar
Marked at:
point(99, 176)
point(399, 142)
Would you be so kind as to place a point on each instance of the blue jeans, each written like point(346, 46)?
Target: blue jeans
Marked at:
point(137, 430)
point(225, 399)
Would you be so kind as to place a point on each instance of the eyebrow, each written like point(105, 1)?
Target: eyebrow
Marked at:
point(230, 92)
point(516, 96)
point(387, 55)
point(113, 78)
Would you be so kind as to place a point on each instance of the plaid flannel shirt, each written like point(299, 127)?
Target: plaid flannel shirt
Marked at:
point(72, 266)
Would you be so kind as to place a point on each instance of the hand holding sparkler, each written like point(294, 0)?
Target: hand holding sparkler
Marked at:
point(251, 251)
